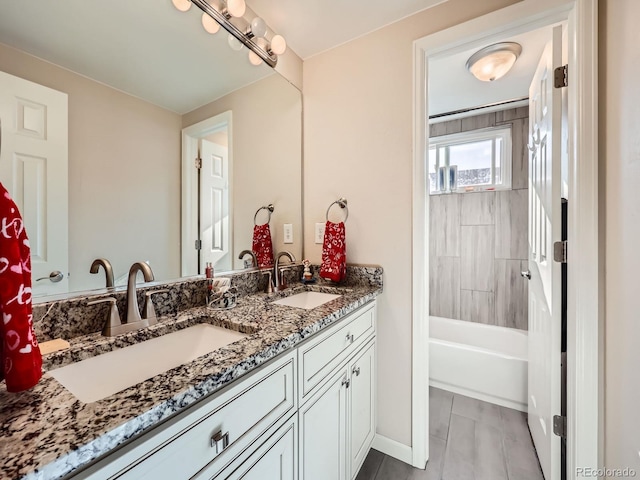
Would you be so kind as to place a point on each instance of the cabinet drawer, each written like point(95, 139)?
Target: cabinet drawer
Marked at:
point(276, 458)
point(320, 356)
point(235, 422)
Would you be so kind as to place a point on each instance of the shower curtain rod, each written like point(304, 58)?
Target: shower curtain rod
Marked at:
point(480, 107)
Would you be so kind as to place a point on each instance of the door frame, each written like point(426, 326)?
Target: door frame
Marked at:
point(190, 137)
point(586, 279)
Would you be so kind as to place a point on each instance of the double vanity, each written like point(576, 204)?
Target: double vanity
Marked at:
point(281, 386)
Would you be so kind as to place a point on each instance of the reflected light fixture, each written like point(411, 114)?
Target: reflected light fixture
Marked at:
point(182, 5)
point(251, 33)
point(494, 61)
point(209, 24)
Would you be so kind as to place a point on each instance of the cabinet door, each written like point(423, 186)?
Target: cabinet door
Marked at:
point(276, 459)
point(323, 434)
point(362, 411)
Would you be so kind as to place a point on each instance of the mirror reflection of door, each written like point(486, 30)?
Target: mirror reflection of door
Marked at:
point(33, 168)
point(215, 224)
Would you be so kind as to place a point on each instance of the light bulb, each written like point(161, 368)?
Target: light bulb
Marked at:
point(209, 24)
point(236, 8)
point(278, 44)
point(182, 5)
point(234, 43)
point(258, 27)
point(254, 59)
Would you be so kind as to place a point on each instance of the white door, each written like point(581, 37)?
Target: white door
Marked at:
point(215, 227)
point(323, 432)
point(362, 411)
point(33, 168)
point(545, 274)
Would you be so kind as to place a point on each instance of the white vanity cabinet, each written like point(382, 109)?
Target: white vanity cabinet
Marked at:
point(309, 414)
point(211, 434)
point(337, 414)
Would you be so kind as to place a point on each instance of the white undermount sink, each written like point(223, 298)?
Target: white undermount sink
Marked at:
point(307, 300)
point(98, 377)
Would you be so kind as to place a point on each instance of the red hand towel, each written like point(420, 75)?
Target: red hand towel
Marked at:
point(19, 351)
point(334, 252)
point(262, 245)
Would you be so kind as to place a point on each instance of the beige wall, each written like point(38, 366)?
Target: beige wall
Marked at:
point(124, 174)
point(620, 167)
point(358, 144)
point(266, 148)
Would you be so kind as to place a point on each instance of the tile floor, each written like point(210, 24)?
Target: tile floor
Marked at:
point(468, 440)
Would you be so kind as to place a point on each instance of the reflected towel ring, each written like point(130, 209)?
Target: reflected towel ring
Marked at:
point(269, 208)
point(343, 204)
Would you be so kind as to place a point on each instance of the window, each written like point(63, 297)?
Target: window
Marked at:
point(482, 159)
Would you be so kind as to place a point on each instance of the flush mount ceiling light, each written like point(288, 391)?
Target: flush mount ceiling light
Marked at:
point(494, 61)
point(264, 45)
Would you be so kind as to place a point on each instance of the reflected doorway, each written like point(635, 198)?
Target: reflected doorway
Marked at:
point(207, 172)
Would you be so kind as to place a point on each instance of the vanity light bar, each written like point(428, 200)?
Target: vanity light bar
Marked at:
point(269, 58)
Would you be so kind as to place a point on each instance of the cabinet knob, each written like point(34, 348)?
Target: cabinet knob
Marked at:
point(356, 370)
point(350, 337)
point(345, 382)
point(220, 441)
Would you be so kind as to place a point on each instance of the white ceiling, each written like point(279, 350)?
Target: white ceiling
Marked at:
point(150, 50)
point(313, 26)
point(452, 87)
point(144, 47)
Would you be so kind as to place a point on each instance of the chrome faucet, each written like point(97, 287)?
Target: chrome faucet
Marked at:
point(133, 312)
point(108, 269)
point(254, 260)
point(280, 284)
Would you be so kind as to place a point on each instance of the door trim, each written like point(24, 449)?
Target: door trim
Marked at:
point(585, 295)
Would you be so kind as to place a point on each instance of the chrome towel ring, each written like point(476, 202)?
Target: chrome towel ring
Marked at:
point(342, 202)
point(269, 208)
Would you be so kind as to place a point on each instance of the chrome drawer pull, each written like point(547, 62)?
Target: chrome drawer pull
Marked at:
point(356, 370)
point(345, 382)
point(220, 441)
point(350, 337)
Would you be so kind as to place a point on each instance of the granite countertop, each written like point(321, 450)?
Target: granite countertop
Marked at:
point(47, 433)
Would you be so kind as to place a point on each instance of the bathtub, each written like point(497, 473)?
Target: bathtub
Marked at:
point(480, 361)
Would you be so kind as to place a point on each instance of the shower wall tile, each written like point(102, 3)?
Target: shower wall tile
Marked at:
point(437, 129)
point(512, 114)
point(477, 307)
point(476, 258)
point(511, 228)
point(479, 241)
point(444, 287)
point(444, 225)
point(478, 121)
point(520, 154)
point(477, 208)
point(511, 294)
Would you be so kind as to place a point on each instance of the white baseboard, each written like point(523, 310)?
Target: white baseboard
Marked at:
point(503, 402)
point(394, 449)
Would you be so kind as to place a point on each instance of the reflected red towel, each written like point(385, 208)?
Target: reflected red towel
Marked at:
point(262, 246)
point(334, 252)
point(19, 351)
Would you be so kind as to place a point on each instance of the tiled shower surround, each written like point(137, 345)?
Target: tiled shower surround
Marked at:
point(479, 241)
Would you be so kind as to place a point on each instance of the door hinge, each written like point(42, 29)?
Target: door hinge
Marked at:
point(198, 244)
point(560, 425)
point(560, 251)
point(561, 76)
point(198, 163)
